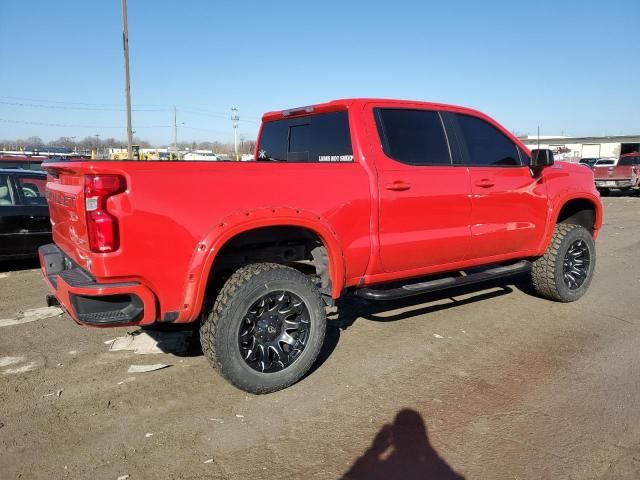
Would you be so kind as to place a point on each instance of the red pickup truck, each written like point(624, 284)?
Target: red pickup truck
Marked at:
point(378, 198)
point(625, 175)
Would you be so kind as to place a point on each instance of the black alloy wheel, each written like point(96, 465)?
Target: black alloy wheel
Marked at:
point(274, 332)
point(576, 264)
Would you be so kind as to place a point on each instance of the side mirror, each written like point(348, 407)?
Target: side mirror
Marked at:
point(541, 158)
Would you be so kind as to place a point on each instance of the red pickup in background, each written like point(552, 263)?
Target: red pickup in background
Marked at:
point(625, 175)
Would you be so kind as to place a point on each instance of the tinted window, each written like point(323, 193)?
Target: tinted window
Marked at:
point(524, 158)
point(413, 136)
point(13, 165)
point(317, 138)
point(633, 160)
point(32, 189)
point(486, 145)
point(604, 163)
point(7, 197)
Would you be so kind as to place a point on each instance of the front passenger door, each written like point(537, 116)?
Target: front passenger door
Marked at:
point(508, 204)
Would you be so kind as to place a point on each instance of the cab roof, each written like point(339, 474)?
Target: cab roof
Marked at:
point(348, 103)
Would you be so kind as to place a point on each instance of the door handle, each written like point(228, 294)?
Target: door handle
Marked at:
point(398, 186)
point(485, 183)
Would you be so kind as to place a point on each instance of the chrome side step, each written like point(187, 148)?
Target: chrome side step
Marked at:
point(428, 286)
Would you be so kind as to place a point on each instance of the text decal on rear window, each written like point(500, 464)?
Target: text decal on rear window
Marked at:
point(335, 158)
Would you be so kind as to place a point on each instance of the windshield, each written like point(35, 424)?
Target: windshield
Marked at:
point(604, 163)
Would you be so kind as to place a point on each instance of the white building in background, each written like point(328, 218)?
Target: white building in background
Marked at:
point(572, 149)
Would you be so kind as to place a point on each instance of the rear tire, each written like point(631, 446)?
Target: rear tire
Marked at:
point(266, 328)
point(604, 192)
point(564, 272)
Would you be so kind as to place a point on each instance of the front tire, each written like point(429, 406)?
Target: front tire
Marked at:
point(266, 328)
point(564, 272)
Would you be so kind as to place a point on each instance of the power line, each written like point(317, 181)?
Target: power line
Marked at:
point(65, 107)
point(46, 124)
point(40, 100)
point(215, 115)
point(204, 129)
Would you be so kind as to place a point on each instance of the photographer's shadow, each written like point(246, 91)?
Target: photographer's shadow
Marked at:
point(402, 451)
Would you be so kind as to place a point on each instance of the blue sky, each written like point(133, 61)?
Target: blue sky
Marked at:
point(572, 68)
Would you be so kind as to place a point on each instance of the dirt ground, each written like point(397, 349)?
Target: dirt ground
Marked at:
point(490, 383)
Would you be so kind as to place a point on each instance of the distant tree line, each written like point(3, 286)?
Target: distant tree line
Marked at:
point(95, 142)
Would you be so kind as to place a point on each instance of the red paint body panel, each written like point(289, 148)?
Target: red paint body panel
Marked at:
point(509, 210)
point(174, 217)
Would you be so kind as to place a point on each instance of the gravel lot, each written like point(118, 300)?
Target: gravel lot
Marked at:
point(488, 383)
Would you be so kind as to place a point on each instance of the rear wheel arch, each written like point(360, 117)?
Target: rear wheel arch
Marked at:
point(325, 256)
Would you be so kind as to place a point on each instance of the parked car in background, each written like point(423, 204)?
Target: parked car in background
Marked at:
point(605, 162)
point(588, 162)
point(24, 162)
point(625, 175)
point(24, 214)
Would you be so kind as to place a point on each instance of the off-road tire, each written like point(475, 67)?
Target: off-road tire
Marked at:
point(220, 328)
point(547, 271)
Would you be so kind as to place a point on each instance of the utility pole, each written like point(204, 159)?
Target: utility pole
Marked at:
point(127, 83)
point(235, 118)
point(175, 129)
point(97, 145)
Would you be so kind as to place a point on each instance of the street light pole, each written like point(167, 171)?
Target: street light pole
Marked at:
point(234, 121)
point(175, 129)
point(127, 85)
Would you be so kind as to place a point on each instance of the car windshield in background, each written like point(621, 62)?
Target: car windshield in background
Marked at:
point(604, 163)
point(323, 137)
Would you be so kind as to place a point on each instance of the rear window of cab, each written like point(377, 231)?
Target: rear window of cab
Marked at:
point(630, 160)
point(323, 137)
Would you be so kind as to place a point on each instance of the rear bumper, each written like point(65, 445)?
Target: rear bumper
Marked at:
point(616, 183)
point(91, 303)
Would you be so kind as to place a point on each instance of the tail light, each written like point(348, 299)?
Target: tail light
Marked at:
point(102, 227)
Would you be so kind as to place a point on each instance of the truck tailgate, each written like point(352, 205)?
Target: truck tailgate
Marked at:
point(65, 194)
point(613, 173)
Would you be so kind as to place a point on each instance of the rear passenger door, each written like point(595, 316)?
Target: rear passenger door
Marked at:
point(424, 204)
point(509, 204)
